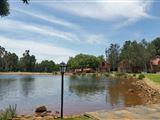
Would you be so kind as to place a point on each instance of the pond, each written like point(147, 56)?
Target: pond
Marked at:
point(81, 93)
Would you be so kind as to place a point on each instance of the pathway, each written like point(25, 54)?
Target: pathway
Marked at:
point(149, 112)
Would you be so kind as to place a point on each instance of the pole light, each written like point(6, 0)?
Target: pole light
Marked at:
point(63, 67)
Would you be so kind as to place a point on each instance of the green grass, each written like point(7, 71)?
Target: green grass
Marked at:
point(78, 118)
point(8, 113)
point(154, 77)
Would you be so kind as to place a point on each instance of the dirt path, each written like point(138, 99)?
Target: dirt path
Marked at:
point(149, 112)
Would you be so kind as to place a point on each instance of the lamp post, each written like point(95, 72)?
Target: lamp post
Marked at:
point(62, 70)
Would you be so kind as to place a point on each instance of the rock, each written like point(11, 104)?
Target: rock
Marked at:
point(38, 118)
point(131, 90)
point(49, 118)
point(43, 114)
point(41, 109)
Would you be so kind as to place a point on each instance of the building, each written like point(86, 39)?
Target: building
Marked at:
point(155, 64)
point(84, 70)
point(123, 66)
point(104, 67)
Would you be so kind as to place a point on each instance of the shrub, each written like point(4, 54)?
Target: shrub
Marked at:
point(107, 74)
point(134, 75)
point(141, 76)
point(83, 74)
point(8, 113)
point(120, 74)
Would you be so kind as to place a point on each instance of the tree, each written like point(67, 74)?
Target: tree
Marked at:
point(11, 62)
point(112, 55)
point(138, 55)
point(47, 66)
point(27, 62)
point(2, 53)
point(4, 7)
point(83, 61)
point(156, 43)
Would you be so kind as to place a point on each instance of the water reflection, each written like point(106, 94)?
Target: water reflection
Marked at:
point(118, 93)
point(84, 85)
point(28, 85)
point(6, 85)
point(113, 92)
point(116, 89)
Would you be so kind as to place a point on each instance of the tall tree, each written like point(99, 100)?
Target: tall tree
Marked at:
point(156, 43)
point(113, 55)
point(11, 62)
point(27, 62)
point(2, 53)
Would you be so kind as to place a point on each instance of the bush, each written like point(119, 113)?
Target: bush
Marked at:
point(120, 74)
point(134, 75)
point(141, 76)
point(8, 113)
point(107, 74)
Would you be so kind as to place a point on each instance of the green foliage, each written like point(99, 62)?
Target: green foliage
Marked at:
point(138, 55)
point(9, 62)
point(4, 8)
point(141, 76)
point(27, 62)
point(8, 113)
point(120, 74)
point(156, 44)
point(47, 66)
point(134, 75)
point(83, 61)
point(107, 74)
point(112, 55)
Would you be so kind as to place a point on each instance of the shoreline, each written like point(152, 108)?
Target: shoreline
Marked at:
point(32, 73)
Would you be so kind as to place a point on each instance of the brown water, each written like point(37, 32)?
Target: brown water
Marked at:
point(81, 93)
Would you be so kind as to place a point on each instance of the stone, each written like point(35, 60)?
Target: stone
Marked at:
point(41, 109)
point(49, 118)
point(38, 118)
point(131, 90)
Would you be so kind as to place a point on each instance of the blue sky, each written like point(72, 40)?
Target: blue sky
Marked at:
point(55, 30)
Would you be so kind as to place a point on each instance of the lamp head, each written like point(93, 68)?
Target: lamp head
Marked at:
point(63, 67)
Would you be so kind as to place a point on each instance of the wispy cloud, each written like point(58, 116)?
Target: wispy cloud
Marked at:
point(106, 9)
point(34, 28)
point(48, 18)
point(42, 50)
point(95, 39)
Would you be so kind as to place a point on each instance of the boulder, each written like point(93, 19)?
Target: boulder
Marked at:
point(41, 109)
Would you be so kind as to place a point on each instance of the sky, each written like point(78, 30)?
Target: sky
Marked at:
point(58, 29)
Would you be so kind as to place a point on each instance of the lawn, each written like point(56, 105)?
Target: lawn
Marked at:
point(153, 77)
point(78, 118)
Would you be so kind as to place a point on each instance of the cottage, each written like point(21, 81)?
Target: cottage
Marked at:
point(104, 67)
point(123, 66)
point(88, 70)
point(78, 71)
point(84, 70)
point(155, 64)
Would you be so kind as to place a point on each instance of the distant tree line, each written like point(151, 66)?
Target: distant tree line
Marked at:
point(9, 62)
point(138, 54)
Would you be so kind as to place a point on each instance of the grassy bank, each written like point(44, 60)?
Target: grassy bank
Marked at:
point(78, 118)
point(153, 77)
